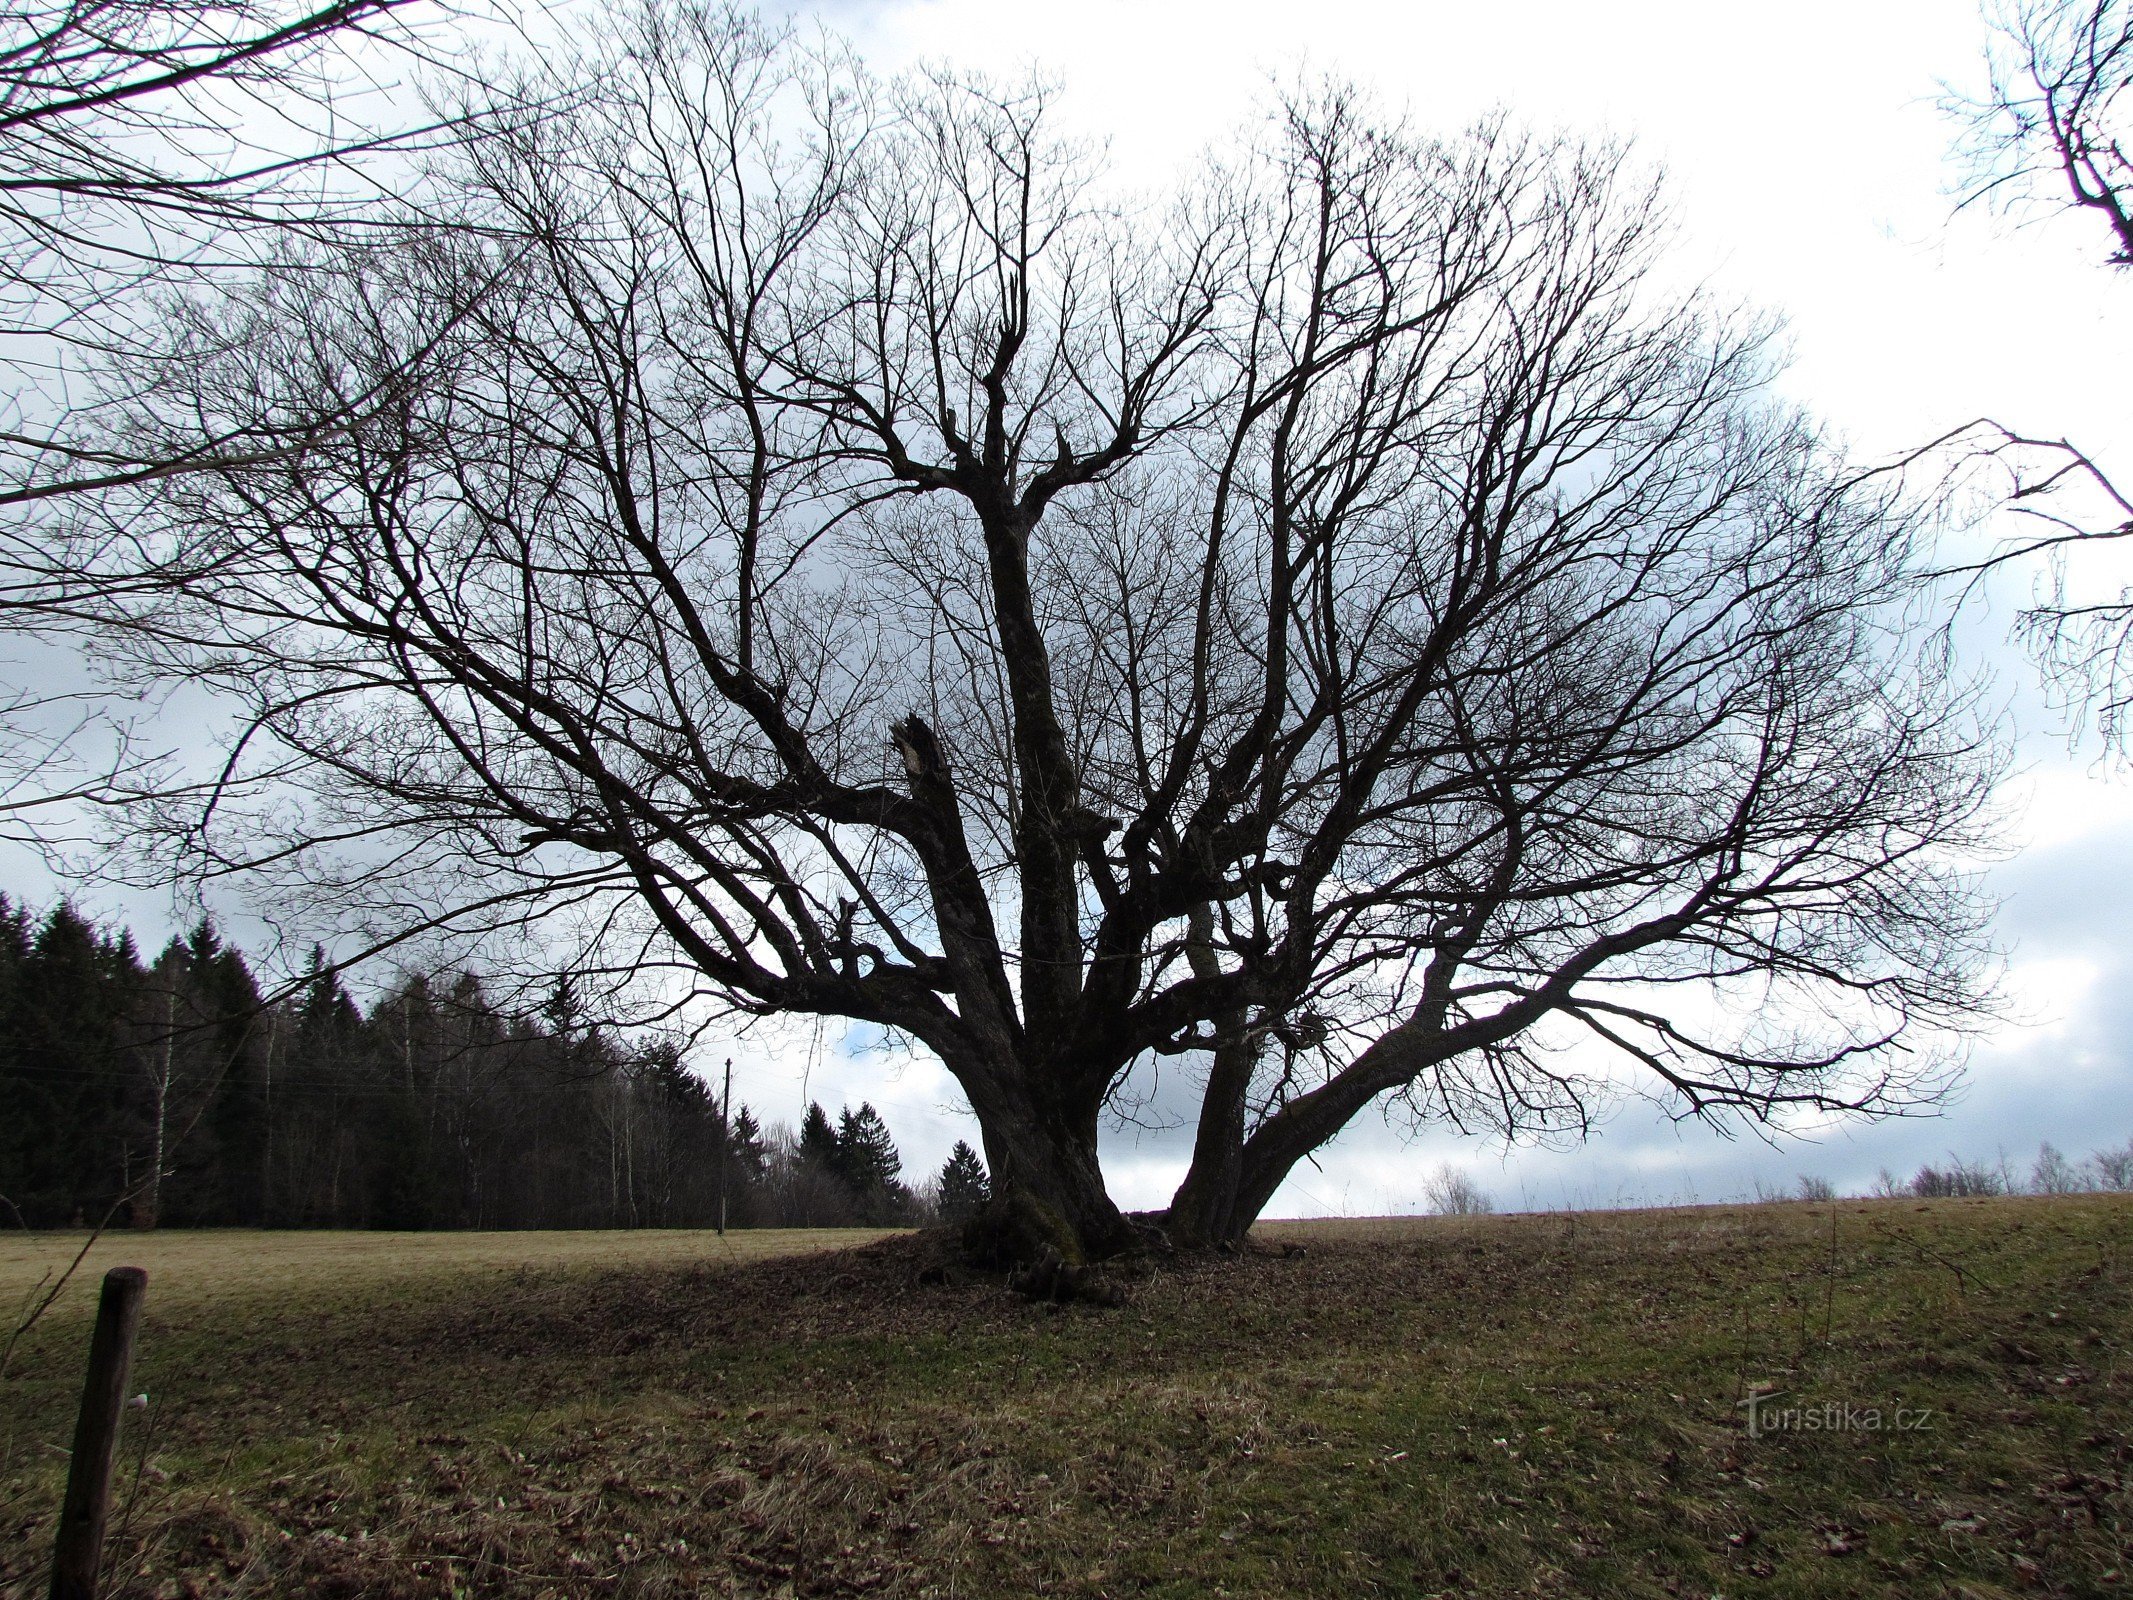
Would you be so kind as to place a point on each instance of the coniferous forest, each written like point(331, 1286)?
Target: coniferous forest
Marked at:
point(138, 1091)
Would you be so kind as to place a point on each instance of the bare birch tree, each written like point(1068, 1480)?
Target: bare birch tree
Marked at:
point(1346, 633)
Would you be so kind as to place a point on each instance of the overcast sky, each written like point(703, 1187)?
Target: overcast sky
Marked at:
point(1810, 172)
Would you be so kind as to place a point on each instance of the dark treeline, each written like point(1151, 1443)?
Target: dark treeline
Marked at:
point(170, 1091)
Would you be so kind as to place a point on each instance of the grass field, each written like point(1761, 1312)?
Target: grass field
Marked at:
point(195, 1272)
point(1540, 1405)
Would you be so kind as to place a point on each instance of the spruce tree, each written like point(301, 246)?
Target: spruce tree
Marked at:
point(750, 1156)
point(964, 1185)
point(818, 1141)
point(67, 1154)
point(866, 1153)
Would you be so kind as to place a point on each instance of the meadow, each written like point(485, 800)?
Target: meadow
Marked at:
point(1531, 1405)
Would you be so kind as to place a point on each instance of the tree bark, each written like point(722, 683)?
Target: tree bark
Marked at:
point(1048, 1186)
point(1204, 1210)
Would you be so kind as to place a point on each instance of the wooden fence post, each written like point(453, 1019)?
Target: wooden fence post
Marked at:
point(81, 1520)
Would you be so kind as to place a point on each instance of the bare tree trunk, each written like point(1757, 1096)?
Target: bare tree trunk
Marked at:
point(266, 1115)
point(629, 1148)
point(1204, 1210)
point(149, 1208)
point(1048, 1186)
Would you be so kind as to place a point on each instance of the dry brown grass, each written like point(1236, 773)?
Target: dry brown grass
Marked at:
point(1536, 1405)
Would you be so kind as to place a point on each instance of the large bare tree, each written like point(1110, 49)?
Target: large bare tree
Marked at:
point(1352, 632)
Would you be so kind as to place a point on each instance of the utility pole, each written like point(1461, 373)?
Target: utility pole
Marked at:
point(725, 1147)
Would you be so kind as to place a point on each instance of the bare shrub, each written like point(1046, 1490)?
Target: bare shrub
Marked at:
point(2113, 1168)
point(2052, 1173)
point(1453, 1194)
point(1960, 1179)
